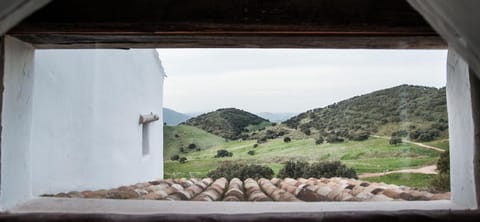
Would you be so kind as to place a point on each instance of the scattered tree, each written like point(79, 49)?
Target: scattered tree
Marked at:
point(175, 157)
point(251, 152)
point(360, 135)
point(296, 169)
point(231, 170)
point(319, 140)
point(255, 145)
point(441, 182)
point(333, 139)
point(223, 153)
point(443, 164)
point(262, 140)
point(394, 140)
point(182, 160)
point(287, 139)
point(192, 146)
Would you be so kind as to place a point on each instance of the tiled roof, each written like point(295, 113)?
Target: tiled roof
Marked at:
point(312, 189)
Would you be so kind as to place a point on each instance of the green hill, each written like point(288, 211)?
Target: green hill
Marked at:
point(229, 123)
point(415, 111)
point(177, 138)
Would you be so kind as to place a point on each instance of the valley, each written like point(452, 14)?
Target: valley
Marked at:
point(389, 136)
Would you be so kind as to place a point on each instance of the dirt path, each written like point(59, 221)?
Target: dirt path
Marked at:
point(432, 169)
point(415, 143)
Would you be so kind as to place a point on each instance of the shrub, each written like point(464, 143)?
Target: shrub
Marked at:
point(192, 146)
point(182, 160)
point(223, 153)
point(307, 132)
point(175, 157)
point(182, 150)
point(441, 182)
point(296, 169)
point(333, 139)
point(360, 136)
point(287, 140)
point(262, 140)
point(400, 133)
point(251, 152)
point(394, 140)
point(255, 145)
point(443, 164)
point(319, 140)
point(424, 135)
point(231, 170)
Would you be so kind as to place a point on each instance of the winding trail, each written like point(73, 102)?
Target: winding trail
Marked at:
point(431, 169)
point(415, 143)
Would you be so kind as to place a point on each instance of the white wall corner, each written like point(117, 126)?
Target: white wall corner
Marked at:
point(462, 132)
point(16, 122)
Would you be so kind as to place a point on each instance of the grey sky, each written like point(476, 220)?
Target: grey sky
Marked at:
point(289, 80)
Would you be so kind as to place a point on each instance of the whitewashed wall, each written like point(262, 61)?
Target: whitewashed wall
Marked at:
point(18, 80)
point(86, 105)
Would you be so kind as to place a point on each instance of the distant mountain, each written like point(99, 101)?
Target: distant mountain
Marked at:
point(195, 114)
point(228, 123)
point(276, 117)
point(172, 117)
point(417, 111)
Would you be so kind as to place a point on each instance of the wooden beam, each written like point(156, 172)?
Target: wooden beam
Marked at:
point(238, 24)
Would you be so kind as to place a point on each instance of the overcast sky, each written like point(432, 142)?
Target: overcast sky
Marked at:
point(289, 80)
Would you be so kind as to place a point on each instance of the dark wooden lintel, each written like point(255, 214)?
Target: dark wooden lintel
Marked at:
point(237, 40)
point(221, 23)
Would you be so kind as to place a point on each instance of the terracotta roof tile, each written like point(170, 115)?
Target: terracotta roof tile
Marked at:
point(288, 189)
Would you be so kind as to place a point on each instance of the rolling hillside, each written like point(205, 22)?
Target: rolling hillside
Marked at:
point(228, 123)
point(172, 117)
point(372, 155)
point(417, 111)
point(177, 138)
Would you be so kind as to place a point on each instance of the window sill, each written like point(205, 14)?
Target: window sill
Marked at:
point(146, 207)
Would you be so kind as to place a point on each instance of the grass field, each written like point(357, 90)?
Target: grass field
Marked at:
point(443, 144)
point(407, 179)
point(372, 155)
point(183, 135)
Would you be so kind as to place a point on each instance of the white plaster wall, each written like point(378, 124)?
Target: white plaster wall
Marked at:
point(86, 108)
point(461, 131)
point(16, 123)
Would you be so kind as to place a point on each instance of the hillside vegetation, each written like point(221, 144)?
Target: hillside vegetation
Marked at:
point(228, 123)
point(415, 111)
point(339, 132)
point(177, 139)
point(372, 155)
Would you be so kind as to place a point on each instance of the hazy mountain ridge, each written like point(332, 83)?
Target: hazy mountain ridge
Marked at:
point(172, 117)
point(276, 117)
